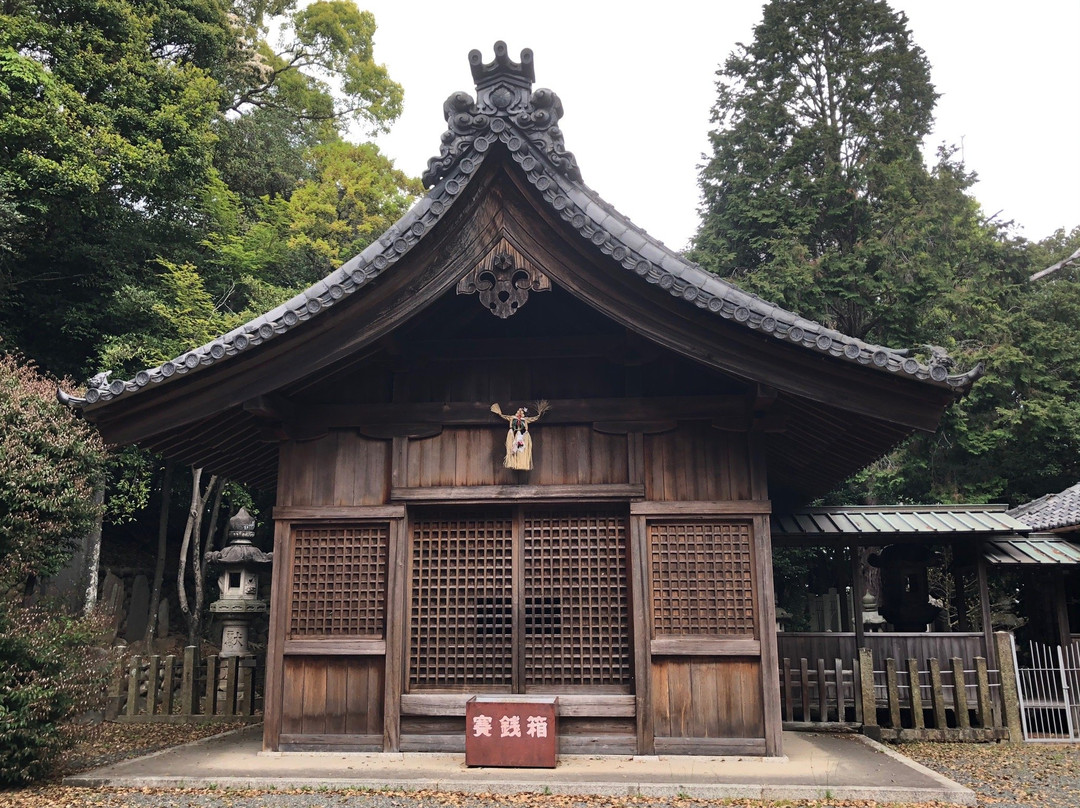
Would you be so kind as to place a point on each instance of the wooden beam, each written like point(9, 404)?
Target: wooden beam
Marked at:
point(605, 346)
point(270, 407)
point(571, 705)
point(656, 411)
point(296, 513)
point(335, 646)
point(705, 646)
point(480, 494)
point(734, 507)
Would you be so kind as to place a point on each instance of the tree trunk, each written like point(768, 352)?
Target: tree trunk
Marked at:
point(193, 540)
point(201, 545)
point(181, 569)
point(159, 566)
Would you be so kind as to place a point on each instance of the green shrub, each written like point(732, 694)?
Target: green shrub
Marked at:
point(52, 667)
point(50, 664)
point(49, 461)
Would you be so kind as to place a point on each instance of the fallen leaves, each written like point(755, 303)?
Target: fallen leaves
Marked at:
point(1002, 775)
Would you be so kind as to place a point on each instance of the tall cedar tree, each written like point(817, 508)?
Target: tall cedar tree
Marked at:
point(816, 166)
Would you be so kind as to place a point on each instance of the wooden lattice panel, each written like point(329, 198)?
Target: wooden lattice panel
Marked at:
point(576, 619)
point(702, 579)
point(339, 580)
point(461, 625)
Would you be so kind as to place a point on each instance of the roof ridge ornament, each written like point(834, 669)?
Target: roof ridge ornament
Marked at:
point(506, 108)
point(502, 68)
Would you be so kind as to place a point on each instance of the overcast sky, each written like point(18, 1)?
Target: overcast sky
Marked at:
point(637, 87)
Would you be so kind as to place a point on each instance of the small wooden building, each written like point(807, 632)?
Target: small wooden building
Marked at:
point(629, 570)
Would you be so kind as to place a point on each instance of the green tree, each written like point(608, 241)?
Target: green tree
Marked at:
point(816, 168)
point(111, 116)
point(1016, 435)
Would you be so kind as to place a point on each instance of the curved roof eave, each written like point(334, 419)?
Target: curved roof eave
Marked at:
point(506, 111)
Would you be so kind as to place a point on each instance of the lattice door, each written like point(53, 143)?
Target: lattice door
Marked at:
point(576, 619)
point(462, 630)
point(702, 578)
point(339, 581)
point(566, 615)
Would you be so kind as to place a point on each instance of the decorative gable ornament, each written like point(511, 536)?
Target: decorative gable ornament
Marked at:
point(503, 280)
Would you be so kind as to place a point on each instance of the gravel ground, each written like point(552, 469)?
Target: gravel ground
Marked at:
point(1003, 776)
point(1007, 776)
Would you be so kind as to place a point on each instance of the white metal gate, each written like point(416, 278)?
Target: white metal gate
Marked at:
point(1050, 693)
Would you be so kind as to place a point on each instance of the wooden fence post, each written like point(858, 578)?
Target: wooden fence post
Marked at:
point(838, 674)
point(937, 695)
point(960, 705)
point(229, 708)
point(804, 688)
point(982, 694)
point(134, 671)
point(167, 685)
point(152, 684)
point(245, 705)
point(115, 699)
point(892, 687)
point(822, 692)
point(789, 708)
point(866, 687)
point(187, 682)
point(917, 720)
point(1010, 696)
point(210, 704)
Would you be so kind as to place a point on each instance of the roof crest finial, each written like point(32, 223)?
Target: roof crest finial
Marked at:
point(502, 68)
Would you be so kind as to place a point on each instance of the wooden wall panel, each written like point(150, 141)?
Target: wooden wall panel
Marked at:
point(341, 468)
point(697, 462)
point(703, 697)
point(562, 455)
point(332, 695)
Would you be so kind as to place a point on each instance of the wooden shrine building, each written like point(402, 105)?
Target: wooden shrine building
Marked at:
point(628, 570)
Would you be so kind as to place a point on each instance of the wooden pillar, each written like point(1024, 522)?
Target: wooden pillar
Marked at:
point(960, 594)
point(1010, 694)
point(984, 605)
point(1061, 608)
point(397, 615)
point(858, 591)
point(640, 609)
point(279, 609)
point(766, 599)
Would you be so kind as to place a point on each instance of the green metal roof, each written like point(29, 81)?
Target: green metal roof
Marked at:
point(887, 524)
point(1035, 549)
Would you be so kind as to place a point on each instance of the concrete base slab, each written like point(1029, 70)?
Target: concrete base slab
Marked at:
point(814, 767)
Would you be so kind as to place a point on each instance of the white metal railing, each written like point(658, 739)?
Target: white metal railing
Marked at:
point(1049, 690)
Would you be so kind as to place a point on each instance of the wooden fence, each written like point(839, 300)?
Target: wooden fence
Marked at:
point(831, 645)
point(909, 699)
point(187, 690)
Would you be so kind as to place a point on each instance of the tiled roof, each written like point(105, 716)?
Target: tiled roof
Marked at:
point(508, 113)
point(891, 522)
point(1052, 511)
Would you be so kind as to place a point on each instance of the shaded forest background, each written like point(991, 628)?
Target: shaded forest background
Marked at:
point(172, 168)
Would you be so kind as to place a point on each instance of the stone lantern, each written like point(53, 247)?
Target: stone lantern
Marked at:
point(238, 582)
